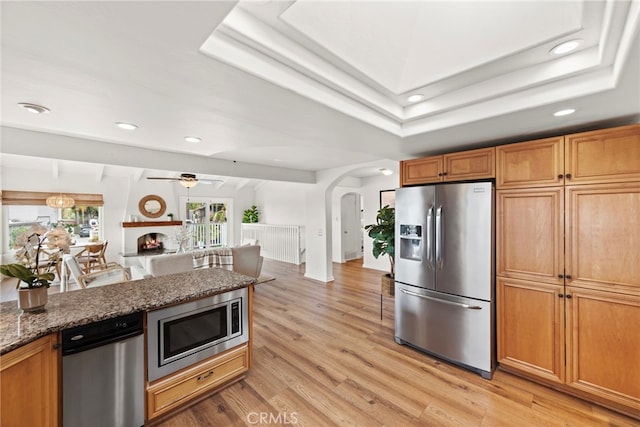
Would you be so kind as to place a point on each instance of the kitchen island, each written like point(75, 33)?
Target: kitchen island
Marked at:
point(84, 306)
point(30, 342)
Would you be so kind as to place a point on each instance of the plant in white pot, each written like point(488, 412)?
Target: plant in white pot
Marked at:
point(383, 233)
point(36, 265)
point(251, 215)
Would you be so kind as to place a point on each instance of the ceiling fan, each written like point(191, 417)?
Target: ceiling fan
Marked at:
point(187, 180)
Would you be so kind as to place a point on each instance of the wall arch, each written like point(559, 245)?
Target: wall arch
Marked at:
point(319, 219)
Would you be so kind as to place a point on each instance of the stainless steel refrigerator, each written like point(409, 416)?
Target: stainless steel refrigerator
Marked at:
point(445, 272)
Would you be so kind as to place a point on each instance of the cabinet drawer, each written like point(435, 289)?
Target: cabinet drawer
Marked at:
point(178, 389)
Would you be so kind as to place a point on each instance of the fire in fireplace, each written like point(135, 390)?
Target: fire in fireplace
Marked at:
point(150, 243)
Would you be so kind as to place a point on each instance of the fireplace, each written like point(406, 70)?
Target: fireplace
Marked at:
point(147, 235)
point(151, 243)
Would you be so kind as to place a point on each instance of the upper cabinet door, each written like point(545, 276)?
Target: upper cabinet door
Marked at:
point(609, 155)
point(421, 171)
point(472, 164)
point(530, 164)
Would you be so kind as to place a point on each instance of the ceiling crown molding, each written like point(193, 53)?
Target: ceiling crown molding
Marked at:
point(271, 43)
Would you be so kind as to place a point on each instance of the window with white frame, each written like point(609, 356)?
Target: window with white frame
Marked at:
point(208, 221)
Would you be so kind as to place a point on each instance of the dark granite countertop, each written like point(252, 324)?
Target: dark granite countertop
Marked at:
point(83, 306)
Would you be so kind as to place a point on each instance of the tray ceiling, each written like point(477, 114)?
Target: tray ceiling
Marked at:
point(365, 58)
point(281, 89)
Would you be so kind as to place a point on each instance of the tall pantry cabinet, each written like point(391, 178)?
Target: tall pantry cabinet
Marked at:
point(568, 263)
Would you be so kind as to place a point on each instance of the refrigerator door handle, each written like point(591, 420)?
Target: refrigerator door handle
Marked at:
point(430, 238)
point(444, 301)
point(439, 259)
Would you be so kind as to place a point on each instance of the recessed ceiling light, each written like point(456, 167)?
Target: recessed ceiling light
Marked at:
point(193, 139)
point(127, 126)
point(385, 171)
point(565, 112)
point(416, 98)
point(34, 108)
point(565, 47)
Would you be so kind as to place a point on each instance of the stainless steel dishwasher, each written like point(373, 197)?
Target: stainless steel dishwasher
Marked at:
point(103, 373)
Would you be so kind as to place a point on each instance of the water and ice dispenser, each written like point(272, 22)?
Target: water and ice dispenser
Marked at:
point(411, 242)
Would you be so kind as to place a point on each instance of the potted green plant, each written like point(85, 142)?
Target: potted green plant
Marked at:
point(251, 215)
point(34, 273)
point(383, 233)
point(170, 215)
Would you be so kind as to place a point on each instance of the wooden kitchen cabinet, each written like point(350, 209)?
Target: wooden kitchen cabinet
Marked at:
point(597, 157)
point(461, 166)
point(30, 384)
point(607, 155)
point(531, 327)
point(568, 275)
point(421, 171)
point(603, 348)
point(603, 236)
point(536, 217)
point(187, 385)
point(537, 163)
point(472, 164)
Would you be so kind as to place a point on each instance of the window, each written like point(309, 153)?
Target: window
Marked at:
point(207, 221)
point(22, 209)
point(78, 220)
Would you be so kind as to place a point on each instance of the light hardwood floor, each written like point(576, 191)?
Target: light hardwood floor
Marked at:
point(323, 357)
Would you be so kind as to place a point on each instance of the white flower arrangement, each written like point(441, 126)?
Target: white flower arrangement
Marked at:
point(182, 236)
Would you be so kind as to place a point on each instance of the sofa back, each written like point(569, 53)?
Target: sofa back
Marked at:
point(160, 265)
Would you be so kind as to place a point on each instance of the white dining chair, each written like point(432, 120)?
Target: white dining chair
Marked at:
point(112, 273)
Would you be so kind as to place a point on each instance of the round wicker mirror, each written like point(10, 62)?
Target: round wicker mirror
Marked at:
point(152, 206)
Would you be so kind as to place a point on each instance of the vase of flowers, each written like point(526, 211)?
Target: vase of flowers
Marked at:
point(183, 235)
point(39, 253)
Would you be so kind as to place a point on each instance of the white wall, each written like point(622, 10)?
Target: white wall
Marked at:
point(287, 203)
point(281, 203)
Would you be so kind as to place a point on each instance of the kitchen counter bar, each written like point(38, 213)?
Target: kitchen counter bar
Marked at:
point(83, 306)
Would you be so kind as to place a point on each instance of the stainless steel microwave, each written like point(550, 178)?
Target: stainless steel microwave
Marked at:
point(184, 334)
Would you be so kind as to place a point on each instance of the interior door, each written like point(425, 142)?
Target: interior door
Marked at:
point(351, 232)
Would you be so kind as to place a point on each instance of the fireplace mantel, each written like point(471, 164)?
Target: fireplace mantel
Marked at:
point(151, 224)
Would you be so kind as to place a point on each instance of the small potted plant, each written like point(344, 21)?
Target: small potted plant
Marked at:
point(34, 273)
point(251, 215)
point(170, 215)
point(383, 233)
